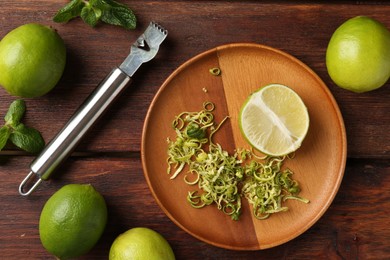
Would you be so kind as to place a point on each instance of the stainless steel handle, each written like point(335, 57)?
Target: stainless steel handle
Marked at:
point(67, 139)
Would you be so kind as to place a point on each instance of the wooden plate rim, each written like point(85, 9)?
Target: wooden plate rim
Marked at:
point(332, 101)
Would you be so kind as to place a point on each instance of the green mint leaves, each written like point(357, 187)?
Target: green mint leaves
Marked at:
point(93, 11)
point(26, 138)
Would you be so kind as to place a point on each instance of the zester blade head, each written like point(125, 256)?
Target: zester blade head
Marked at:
point(144, 48)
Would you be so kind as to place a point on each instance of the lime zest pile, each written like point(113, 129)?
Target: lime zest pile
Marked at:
point(218, 175)
point(190, 128)
point(223, 178)
point(267, 186)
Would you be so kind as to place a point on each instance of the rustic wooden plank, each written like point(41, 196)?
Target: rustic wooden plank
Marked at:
point(352, 228)
point(302, 29)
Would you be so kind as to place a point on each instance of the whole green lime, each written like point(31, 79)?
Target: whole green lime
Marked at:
point(141, 244)
point(72, 220)
point(32, 60)
point(358, 54)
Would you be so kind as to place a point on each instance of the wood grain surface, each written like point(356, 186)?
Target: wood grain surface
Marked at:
point(354, 227)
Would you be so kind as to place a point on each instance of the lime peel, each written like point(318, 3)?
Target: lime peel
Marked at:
point(72, 220)
point(32, 60)
point(358, 55)
point(141, 243)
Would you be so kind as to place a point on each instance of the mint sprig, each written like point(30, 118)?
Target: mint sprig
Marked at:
point(93, 11)
point(26, 138)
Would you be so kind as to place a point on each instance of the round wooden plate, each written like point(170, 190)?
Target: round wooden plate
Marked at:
point(318, 165)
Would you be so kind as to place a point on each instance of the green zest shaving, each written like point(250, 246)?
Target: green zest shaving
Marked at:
point(191, 130)
point(218, 175)
point(223, 179)
point(267, 186)
point(215, 71)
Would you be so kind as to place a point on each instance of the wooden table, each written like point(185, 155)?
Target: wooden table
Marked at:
point(356, 226)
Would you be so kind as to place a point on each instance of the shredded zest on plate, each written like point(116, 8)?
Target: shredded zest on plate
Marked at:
point(222, 179)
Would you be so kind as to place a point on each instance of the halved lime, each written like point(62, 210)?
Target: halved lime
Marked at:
point(274, 120)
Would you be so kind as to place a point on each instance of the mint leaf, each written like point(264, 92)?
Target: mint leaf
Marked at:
point(69, 11)
point(5, 132)
point(93, 11)
point(118, 14)
point(98, 3)
point(15, 112)
point(90, 15)
point(27, 138)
